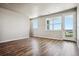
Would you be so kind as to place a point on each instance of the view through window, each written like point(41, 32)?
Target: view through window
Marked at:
point(57, 23)
point(68, 25)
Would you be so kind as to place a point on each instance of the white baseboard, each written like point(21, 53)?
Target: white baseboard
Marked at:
point(14, 39)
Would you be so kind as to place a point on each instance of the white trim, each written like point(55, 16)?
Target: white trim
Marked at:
point(13, 39)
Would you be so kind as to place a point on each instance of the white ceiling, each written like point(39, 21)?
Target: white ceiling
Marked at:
point(37, 9)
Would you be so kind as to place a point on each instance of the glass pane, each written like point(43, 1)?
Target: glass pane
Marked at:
point(35, 24)
point(69, 22)
point(51, 22)
point(57, 27)
point(50, 27)
point(69, 33)
point(69, 26)
point(57, 20)
point(57, 23)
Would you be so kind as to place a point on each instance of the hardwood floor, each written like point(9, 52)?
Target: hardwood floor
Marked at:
point(38, 47)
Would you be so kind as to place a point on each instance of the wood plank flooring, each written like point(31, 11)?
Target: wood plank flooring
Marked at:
point(38, 47)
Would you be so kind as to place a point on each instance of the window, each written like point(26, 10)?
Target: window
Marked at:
point(35, 24)
point(69, 22)
point(69, 25)
point(49, 24)
point(57, 23)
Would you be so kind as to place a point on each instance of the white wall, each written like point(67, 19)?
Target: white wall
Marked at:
point(13, 25)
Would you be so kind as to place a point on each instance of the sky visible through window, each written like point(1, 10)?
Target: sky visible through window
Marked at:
point(57, 23)
point(69, 22)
